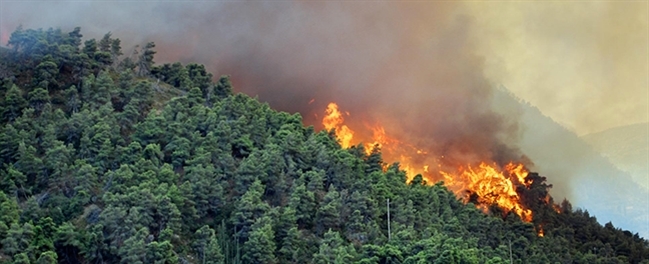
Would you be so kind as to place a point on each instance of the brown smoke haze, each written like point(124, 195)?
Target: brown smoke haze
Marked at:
point(585, 64)
point(426, 71)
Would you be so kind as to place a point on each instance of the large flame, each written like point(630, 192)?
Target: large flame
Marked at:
point(334, 120)
point(485, 184)
point(489, 186)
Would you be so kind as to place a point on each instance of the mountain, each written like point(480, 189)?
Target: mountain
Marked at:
point(627, 147)
point(109, 159)
point(578, 171)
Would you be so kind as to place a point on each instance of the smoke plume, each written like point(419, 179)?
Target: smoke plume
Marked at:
point(411, 67)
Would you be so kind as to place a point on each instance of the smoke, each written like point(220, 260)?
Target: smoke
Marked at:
point(585, 64)
point(425, 71)
point(412, 67)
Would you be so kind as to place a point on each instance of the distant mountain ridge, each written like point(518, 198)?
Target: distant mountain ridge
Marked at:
point(627, 147)
point(576, 169)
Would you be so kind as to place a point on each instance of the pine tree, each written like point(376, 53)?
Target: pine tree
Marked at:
point(160, 252)
point(328, 215)
point(249, 171)
point(9, 213)
point(213, 253)
point(13, 104)
point(134, 249)
point(102, 89)
point(223, 87)
point(333, 250)
point(304, 203)
point(207, 246)
point(260, 246)
point(292, 247)
point(145, 59)
point(38, 98)
point(248, 208)
point(46, 72)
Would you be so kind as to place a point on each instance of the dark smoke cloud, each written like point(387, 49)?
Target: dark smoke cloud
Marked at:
point(384, 65)
point(410, 66)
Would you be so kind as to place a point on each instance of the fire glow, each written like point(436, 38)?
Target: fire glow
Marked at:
point(484, 184)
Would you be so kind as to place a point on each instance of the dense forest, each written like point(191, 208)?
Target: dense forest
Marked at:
point(109, 158)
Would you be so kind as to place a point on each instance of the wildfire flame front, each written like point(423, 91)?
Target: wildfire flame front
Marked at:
point(487, 182)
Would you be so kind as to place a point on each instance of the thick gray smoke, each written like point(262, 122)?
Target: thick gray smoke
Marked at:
point(411, 67)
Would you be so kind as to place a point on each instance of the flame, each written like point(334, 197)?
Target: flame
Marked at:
point(484, 184)
point(490, 186)
point(334, 120)
point(541, 233)
point(520, 172)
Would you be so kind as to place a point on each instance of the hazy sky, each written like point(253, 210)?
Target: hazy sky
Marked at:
point(583, 64)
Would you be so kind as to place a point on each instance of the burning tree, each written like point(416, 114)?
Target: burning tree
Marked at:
point(494, 188)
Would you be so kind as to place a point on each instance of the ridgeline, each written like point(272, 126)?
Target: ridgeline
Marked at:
point(107, 158)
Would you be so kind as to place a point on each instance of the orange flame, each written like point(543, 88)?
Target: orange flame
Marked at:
point(519, 171)
point(483, 184)
point(334, 120)
point(490, 185)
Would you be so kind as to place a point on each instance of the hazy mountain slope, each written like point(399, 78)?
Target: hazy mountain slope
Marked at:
point(627, 147)
point(578, 171)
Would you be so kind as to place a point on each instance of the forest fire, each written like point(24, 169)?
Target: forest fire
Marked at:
point(334, 120)
point(484, 184)
point(489, 186)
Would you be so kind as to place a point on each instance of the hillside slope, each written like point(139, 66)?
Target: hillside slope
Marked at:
point(98, 165)
point(627, 147)
point(578, 171)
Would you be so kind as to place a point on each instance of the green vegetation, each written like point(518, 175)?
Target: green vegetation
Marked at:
point(121, 161)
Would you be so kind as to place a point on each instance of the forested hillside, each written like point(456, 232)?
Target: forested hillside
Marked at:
point(107, 158)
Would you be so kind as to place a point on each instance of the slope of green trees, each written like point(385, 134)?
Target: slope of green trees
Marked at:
point(113, 159)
